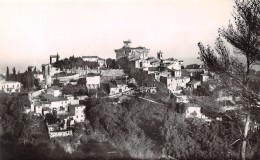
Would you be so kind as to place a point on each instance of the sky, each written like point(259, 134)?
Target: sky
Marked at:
point(31, 31)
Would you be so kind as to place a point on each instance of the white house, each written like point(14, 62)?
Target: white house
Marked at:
point(176, 73)
point(175, 83)
point(173, 64)
point(55, 91)
point(101, 62)
point(190, 110)
point(180, 98)
point(204, 77)
point(39, 76)
point(71, 100)
point(77, 112)
point(92, 81)
point(193, 84)
point(90, 58)
point(10, 86)
point(118, 86)
point(60, 133)
point(34, 94)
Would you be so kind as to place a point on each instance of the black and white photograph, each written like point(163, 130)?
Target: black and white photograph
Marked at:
point(129, 79)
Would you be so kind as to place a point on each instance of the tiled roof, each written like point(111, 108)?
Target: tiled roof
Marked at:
point(193, 81)
point(51, 98)
point(92, 74)
point(134, 59)
point(153, 69)
point(114, 73)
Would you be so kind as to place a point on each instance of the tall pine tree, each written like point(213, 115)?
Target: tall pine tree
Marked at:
point(232, 72)
point(7, 76)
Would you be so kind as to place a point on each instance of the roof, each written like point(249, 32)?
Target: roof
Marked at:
point(101, 58)
point(51, 98)
point(149, 58)
point(193, 81)
point(129, 48)
point(62, 116)
point(90, 57)
point(113, 73)
point(77, 105)
point(134, 59)
point(178, 94)
point(153, 69)
point(187, 105)
point(8, 82)
point(54, 56)
point(152, 59)
point(92, 74)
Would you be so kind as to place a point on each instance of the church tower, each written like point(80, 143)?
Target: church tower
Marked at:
point(159, 55)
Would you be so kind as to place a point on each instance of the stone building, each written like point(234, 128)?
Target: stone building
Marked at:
point(54, 58)
point(131, 52)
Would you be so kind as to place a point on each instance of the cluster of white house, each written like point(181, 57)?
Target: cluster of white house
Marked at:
point(118, 86)
point(66, 107)
point(167, 71)
point(91, 77)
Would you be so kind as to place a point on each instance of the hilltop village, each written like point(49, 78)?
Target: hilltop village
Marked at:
point(60, 91)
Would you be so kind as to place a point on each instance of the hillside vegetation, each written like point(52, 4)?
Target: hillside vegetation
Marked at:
point(148, 131)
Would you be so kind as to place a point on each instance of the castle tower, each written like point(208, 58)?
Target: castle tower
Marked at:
point(46, 70)
point(126, 43)
point(54, 58)
point(159, 55)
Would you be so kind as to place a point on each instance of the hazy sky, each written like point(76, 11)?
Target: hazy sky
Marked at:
point(30, 31)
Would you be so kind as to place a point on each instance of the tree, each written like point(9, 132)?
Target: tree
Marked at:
point(122, 63)
point(7, 74)
point(56, 82)
point(50, 118)
point(14, 71)
point(110, 63)
point(34, 70)
point(244, 36)
point(12, 118)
